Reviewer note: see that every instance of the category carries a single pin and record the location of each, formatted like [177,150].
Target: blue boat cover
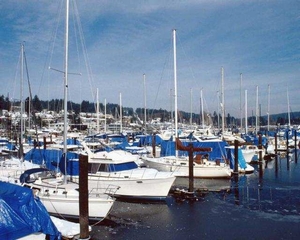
[11,146]
[72,167]
[22,214]
[241,159]
[49,158]
[218,149]
[54,160]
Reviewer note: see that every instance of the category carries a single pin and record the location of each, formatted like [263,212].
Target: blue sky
[122,40]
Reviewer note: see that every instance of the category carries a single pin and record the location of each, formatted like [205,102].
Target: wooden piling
[191,167]
[45,142]
[153,145]
[83,197]
[296,151]
[190,149]
[260,163]
[276,143]
[236,157]
[236,189]
[287,142]
[276,165]
[21,150]
[260,148]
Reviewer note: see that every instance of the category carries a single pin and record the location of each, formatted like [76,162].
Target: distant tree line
[56,105]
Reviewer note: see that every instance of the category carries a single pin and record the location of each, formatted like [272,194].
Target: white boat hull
[248,155]
[134,184]
[206,170]
[98,209]
[63,200]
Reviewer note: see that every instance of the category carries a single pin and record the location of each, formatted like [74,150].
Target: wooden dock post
[190,149]
[287,142]
[236,173]
[296,151]
[276,143]
[260,157]
[191,167]
[276,165]
[45,142]
[260,148]
[236,157]
[83,197]
[153,145]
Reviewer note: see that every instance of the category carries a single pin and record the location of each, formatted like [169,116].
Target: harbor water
[261,205]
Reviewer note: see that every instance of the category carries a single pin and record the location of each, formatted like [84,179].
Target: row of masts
[222,100]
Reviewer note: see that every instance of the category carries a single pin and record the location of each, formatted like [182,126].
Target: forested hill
[56,105]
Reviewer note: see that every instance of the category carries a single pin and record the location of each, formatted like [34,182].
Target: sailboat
[180,165]
[60,196]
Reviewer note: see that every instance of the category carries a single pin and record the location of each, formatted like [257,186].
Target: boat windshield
[101,167]
[122,166]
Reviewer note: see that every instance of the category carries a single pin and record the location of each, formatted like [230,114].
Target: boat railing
[110,190]
[143,174]
[176,169]
[130,174]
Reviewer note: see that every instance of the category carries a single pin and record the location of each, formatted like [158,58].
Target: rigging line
[58,213]
[31,103]
[54,34]
[13,86]
[167,60]
[69,101]
[205,104]
[184,52]
[16,74]
[223,152]
[76,39]
[74,17]
[84,49]
[95,102]
[50,51]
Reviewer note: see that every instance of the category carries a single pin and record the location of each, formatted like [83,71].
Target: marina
[164,165]
[257,206]
[252,201]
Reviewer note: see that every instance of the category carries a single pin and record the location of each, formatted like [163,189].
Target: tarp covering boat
[54,160]
[45,157]
[218,149]
[21,214]
[72,167]
[241,159]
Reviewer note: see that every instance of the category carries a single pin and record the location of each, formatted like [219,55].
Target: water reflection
[128,215]
[261,191]
[211,185]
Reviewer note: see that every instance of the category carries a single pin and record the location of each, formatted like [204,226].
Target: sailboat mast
[223,101]
[105,115]
[256,112]
[191,112]
[246,112]
[175,83]
[241,114]
[269,108]
[202,111]
[21,102]
[121,117]
[97,110]
[29,112]
[145,108]
[171,105]
[288,102]
[218,101]
[66,82]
